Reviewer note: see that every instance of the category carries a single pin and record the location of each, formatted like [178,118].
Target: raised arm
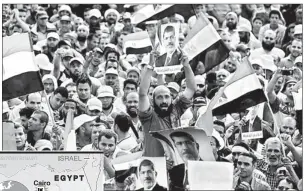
[22,24]
[56,62]
[190,82]
[144,102]
[271,85]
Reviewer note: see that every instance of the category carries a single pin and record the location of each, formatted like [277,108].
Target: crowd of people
[98,98]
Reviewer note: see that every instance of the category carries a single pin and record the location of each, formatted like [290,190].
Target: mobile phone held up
[287,72]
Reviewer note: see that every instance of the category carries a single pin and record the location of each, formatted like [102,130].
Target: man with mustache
[112,17]
[165,113]
[188,149]
[171,57]
[231,26]
[147,175]
[268,47]
[129,86]
[244,179]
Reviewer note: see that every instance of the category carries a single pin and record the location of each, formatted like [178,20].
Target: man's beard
[108,107]
[231,26]
[266,46]
[81,38]
[245,39]
[111,21]
[52,49]
[133,114]
[162,113]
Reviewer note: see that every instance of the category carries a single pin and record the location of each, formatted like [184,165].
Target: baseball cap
[199,101]
[43,62]
[108,11]
[153,22]
[298,29]
[43,144]
[68,53]
[242,48]
[80,120]
[64,42]
[174,86]
[95,13]
[258,62]
[65,18]
[78,59]
[65,8]
[112,71]
[97,49]
[53,35]
[131,58]
[106,91]
[133,69]
[126,15]
[94,104]
[41,14]
[244,28]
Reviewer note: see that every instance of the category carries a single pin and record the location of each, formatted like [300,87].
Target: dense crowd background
[98,98]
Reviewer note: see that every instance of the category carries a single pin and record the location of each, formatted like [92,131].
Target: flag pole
[49,107]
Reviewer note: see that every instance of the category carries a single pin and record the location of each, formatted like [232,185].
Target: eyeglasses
[201,85]
[267,38]
[283,188]
[236,153]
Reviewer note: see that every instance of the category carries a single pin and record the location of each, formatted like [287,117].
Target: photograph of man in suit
[170,44]
[147,175]
[188,149]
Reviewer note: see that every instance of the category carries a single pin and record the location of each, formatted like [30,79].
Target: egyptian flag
[137,43]
[203,43]
[20,73]
[242,91]
[160,11]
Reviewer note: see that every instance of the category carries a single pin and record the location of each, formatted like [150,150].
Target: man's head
[84,87]
[132,101]
[219,126]
[96,131]
[20,136]
[231,20]
[65,24]
[147,174]
[199,8]
[94,107]
[76,67]
[268,42]
[111,77]
[162,100]
[111,64]
[112,54]
[82,32]
[169,39]
[237,149]
[38,121]
[129,86]
[122,124]
[33,100]
[58,98]
[273,147]
[69,104]
[236,8]
[106,96]
[286,184]
[111,16]
[41,18]
[72,90]
[200,82]
[257,66]
[133,74]
[104,41]
[257,23]
[230,65]
[222,74]
[174,89]
[288,126]
[288,87]
[186,145]
[107,142]
[151,28]
[25,115]
[49,83]
[296,48]
[92,41]
[22,14]
[52,39]
[246,164]
[274,17]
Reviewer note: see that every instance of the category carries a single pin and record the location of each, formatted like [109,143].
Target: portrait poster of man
[169,61]
[185,144]
[145,173]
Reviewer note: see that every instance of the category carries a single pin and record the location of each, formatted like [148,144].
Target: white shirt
[89,147]
[127,144]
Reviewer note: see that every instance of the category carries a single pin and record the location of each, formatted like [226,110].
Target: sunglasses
[201,85]
[267,38]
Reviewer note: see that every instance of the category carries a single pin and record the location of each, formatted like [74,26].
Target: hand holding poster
[210,175]
[169,62]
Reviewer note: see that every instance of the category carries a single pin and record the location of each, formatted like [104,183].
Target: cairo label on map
[52,171]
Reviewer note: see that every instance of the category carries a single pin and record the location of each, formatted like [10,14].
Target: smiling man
[147,176]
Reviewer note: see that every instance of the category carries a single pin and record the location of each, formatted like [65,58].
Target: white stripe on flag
[138,43]
[18,63]
[239,88]
[201,41]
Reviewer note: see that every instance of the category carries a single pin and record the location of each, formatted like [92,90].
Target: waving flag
[203,43]
[20,73]
[137,43]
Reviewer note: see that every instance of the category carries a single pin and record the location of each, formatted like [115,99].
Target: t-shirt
[151,121]
[127,144]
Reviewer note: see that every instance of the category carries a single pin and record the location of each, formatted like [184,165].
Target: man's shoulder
[158,187]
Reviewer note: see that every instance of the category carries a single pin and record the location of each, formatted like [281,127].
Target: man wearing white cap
[44,64]
[64,26]
[134,74]
[174,89]
[246,37]
[106,96]
[299,63]
[112,17]
[112,79]
[63,10]
[94,107]
[298,31]
[94,18]
[52,41]
[231,26]
[258,66]
[295,51]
